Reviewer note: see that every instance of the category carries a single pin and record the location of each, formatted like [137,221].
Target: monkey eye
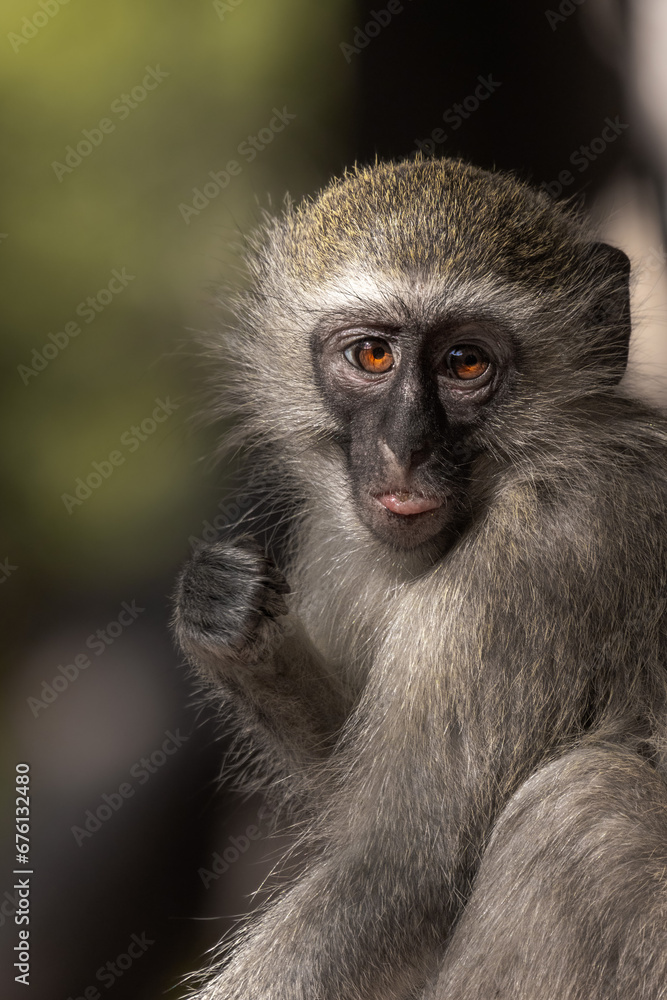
[373,356]
[467,362]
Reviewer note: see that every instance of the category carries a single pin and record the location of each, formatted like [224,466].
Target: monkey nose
[400,461]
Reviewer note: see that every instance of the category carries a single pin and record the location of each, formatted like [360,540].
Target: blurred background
[138,141]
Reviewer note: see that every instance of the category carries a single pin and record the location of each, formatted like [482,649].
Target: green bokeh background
[228,67]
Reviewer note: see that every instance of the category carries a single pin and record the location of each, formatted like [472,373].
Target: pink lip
[408,503]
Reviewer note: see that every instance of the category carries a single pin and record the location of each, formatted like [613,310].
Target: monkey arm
[570,897]
[285,701]
[232,623]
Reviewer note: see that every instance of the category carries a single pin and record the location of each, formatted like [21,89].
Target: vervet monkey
[456,669]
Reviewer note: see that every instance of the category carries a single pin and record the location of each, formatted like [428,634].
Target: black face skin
[409,401]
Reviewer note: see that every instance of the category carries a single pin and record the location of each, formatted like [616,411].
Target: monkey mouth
[408,504]
[405,517]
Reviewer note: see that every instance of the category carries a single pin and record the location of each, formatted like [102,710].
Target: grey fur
[472,721]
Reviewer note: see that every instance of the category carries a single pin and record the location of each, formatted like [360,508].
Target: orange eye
[467,362]
[371,356]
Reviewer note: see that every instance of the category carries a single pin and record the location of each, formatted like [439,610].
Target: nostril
[421,454]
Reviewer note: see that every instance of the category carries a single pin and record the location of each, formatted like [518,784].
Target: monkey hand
[228,598]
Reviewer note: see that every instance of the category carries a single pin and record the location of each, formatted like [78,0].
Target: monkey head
[413,321]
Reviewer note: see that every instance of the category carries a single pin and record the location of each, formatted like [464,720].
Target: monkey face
[410,404]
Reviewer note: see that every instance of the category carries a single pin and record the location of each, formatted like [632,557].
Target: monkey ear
[611,309]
